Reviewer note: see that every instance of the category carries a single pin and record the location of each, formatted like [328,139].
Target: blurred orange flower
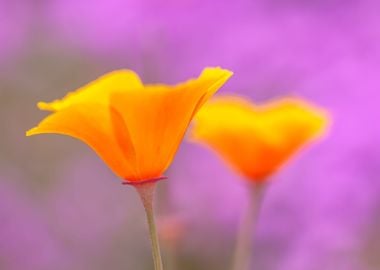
[135,128]
[171,230]
[257,139]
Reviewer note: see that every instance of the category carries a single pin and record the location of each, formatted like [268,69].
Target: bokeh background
[61,207]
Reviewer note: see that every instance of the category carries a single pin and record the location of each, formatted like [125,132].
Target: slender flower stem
[244,244]
[146,191]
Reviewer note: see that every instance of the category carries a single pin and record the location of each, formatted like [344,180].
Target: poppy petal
[99,126]
[97,91]
[159,117]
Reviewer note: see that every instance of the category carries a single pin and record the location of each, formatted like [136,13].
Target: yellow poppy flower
[135,128]
[257,139]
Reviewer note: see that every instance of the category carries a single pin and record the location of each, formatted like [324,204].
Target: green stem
[244,244]
[146,192]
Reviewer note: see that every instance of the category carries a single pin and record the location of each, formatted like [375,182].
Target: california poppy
[135,128]
[256,140]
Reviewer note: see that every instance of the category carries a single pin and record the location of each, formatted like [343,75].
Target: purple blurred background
[61,207]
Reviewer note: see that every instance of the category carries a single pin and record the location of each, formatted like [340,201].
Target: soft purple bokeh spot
[89,211]
[15,22]
[26,239]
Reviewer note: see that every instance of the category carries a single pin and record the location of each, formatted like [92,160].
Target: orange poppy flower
[135,128]
[257,139]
